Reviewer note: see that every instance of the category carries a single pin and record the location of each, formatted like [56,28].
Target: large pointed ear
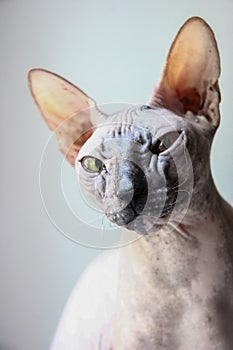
[190,77]
[65,108]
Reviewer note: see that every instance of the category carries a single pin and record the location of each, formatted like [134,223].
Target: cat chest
[196,313]
[174,323]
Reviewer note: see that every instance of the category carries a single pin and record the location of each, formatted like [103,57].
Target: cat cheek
[100,186]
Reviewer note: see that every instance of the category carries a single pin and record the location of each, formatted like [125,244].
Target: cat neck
[173,251]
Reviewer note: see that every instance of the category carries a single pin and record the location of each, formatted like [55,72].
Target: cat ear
[190,77]
[66,109]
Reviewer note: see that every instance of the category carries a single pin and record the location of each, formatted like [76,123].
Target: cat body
[164,293]
[171,289]
[148,169]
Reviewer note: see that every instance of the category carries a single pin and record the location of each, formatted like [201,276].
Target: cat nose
[126,196]
[125,189]
[115,204]
[127,200]
[121,188]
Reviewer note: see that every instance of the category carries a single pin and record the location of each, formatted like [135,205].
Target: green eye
[167,141]
[92,164]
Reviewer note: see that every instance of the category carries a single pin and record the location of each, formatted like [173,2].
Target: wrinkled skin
[172,289]
[135,174]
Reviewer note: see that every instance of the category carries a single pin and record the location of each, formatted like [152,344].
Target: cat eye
[92,164]
[145,107]
[165,142]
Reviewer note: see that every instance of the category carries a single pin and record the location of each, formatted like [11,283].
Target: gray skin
[171,289]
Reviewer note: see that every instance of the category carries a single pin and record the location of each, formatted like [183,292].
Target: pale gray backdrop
[114,50]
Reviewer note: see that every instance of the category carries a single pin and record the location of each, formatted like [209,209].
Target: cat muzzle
[132,198]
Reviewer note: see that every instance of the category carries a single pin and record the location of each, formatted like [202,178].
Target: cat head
[146,164]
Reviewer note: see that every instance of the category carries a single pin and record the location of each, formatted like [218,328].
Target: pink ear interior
[190,99]
[65,109]
[73,151]
[192,67]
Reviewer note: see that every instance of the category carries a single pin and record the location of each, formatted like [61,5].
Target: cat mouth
[135,217]
[126,215]
[131,209]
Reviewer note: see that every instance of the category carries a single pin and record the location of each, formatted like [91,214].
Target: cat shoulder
[86,319]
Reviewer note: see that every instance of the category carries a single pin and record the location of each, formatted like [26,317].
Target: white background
[114,51]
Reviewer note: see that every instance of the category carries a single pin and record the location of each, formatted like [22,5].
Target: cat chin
[141,223]
[145,224]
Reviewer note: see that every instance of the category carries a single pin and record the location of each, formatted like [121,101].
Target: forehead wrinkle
[130,132]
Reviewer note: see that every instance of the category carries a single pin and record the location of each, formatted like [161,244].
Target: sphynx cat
[148,169]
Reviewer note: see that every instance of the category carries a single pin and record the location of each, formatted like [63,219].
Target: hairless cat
[147,167]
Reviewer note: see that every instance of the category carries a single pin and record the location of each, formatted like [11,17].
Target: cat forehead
[135,124]
[131,125]
[137,120]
